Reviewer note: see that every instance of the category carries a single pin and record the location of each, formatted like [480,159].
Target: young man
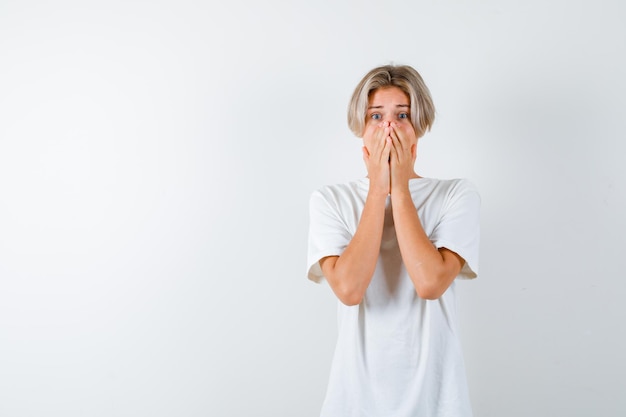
[391,246]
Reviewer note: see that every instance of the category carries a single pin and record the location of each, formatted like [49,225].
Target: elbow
[349,296]
[351,301]
[429,292]
[431,289]
[431,285]
[349,288]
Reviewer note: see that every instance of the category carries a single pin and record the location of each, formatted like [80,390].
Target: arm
[431,270]
[350,274]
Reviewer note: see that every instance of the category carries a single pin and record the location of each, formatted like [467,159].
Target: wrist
[401,192]
[377,192]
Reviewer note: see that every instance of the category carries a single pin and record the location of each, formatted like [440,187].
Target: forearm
[349,275]
[427,267]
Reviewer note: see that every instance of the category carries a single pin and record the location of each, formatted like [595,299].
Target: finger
[387,146]
[387,150]
[406,138]
[399,152]
[377,143]
[394,149]
[373,141]
[400,136]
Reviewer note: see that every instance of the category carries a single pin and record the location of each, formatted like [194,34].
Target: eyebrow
[380,107]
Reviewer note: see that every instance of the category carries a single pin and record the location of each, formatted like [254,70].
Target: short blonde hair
[408,80]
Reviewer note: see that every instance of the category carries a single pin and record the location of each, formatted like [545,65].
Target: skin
[389,153]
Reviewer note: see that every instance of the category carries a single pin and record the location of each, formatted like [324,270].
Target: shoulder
[446,196]
[462,187]
[456,184]
[444,189]
[461,196]
[339,193]
[458,188]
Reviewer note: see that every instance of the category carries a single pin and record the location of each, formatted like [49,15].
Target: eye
[403,116]
[375,116]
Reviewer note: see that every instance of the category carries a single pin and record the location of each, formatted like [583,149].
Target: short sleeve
[328,233]
[459,226]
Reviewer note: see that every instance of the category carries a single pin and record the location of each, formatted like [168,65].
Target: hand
[402,155]
[376,153]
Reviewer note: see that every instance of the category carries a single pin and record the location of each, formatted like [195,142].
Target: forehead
[388,95]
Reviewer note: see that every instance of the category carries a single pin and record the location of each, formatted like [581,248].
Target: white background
[156,160]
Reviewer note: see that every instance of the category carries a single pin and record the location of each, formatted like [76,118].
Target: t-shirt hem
[469,270]
[314,272]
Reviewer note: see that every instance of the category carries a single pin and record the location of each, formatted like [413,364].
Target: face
[390,105]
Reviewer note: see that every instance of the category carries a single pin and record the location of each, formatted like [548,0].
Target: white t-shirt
[397,354]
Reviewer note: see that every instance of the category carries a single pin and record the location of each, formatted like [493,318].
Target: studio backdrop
[156,163]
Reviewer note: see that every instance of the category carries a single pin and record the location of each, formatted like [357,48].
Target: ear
[414,151]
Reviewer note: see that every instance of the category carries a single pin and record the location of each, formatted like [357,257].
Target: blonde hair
[408,80]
